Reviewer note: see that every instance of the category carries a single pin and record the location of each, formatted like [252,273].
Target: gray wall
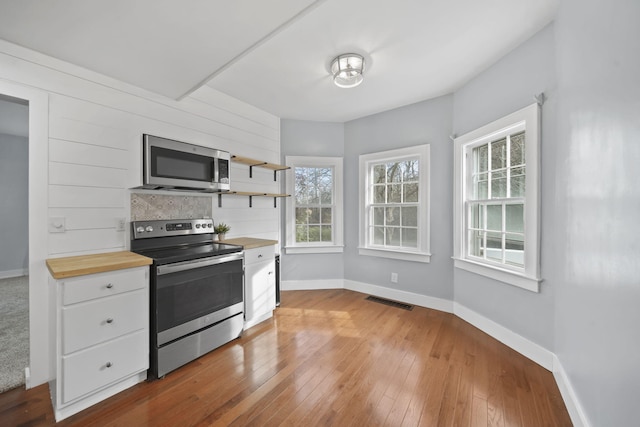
[14,202]
[598,206]
[306,138]
[505,87]
[427,122]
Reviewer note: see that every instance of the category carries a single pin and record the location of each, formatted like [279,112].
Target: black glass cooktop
[187,253]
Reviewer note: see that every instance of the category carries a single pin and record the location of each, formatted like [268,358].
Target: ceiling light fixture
[347,70]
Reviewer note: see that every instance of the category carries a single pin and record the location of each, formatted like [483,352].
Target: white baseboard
[309,285]
[400,296]
[8,274]
[571,401]
[522,345]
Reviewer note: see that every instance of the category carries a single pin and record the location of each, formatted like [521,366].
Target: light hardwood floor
[332,358]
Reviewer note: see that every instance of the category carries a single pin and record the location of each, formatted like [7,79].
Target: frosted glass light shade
[347,70]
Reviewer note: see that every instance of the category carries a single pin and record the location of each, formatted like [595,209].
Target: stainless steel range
[197,290]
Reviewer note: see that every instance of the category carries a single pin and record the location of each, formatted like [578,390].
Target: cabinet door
[260,290]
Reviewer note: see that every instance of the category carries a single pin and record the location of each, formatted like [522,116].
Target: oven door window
[190,294]
[167,163]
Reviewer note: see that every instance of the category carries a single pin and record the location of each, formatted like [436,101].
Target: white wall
[93,141]
[14,205]
[597,205]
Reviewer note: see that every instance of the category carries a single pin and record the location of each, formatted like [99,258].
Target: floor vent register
[384,301]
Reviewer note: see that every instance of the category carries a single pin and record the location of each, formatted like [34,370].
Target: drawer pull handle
[109,364]
[260,256]
[109,286]
[110,320]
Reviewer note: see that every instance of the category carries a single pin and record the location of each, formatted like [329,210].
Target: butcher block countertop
[250,242]
[62,268]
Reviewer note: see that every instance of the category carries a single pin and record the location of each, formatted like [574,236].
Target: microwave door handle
[216,172]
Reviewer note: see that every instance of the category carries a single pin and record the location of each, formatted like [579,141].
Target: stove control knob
[140,229]
[197,225]
[209,225]
[149,229]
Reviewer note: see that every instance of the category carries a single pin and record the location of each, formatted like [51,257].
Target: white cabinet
[102,337]
[260,284]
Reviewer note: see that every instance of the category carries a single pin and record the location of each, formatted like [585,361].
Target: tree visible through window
[314,212]
[395,203]
[314,204]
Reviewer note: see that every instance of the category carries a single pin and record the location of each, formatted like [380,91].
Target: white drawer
[99,366]
[265,253]
[93,322]
[99,285]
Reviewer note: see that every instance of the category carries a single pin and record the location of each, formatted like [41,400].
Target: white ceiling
[275,54]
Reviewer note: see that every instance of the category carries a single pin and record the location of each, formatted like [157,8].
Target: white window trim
[529,277]
[293,247]
[422,253]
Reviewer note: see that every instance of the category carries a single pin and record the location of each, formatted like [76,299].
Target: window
[394,204]
[314,213]
[496,208]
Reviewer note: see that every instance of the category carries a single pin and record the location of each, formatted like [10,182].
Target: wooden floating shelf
[259,163]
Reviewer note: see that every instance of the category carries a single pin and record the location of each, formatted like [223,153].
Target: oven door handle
[190,265]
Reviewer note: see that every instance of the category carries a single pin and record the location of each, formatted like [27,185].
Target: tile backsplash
[145,206]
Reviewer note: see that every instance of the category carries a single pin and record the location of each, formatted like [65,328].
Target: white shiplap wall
[94,134]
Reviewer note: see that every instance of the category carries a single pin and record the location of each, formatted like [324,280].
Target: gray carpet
[14,331]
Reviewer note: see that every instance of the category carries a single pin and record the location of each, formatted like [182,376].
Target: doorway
[14,241]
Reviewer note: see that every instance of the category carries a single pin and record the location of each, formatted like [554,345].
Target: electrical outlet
[120,224]
[394,277]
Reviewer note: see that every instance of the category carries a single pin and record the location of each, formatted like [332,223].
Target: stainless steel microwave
[175,165]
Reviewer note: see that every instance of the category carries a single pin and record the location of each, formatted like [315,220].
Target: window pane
[517,149]
[378,194]
[394,193]
[326,233]
[394,172]
[481,156]
[411,170]
[494,246]
[314,233]
[477,220]
[410,216]
[378,216]
[514,253]
[514,218]
[410,193]
[494,217]
[517,186]
[325,185]
[393,216]
[409,237]
[378,235]
[314,215]
[498,188]
[302,215]
[499,154]
[482,187]
[476,244]
[393,236]
[326,215]
[301,233]
[379,173]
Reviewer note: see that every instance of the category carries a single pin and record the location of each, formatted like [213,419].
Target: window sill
[292,250]
[401,255]
[510,277]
